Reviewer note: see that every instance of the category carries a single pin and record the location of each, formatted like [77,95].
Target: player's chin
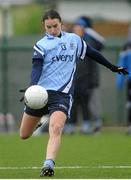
[55,34]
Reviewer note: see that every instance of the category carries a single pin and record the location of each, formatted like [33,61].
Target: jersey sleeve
[81,48]
[38,52]
[37,64]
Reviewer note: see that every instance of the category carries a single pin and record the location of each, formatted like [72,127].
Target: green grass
[100,156]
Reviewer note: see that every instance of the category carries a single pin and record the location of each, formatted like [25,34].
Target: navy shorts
[57,101]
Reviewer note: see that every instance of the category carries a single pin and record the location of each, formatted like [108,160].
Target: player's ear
[43,25]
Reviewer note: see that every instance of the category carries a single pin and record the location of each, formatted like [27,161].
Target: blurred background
[20,28]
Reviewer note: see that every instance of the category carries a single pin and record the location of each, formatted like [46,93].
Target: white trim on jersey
[67,88]
[84,50]
[41,52]
[70,105]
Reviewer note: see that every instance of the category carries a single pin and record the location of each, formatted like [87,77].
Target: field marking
[69,167]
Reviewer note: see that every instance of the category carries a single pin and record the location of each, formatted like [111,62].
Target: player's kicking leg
[28,125]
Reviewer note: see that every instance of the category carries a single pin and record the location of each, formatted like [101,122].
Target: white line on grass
[70,167]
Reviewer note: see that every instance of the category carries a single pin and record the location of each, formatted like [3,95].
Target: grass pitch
[106,155]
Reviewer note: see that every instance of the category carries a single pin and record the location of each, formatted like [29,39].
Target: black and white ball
[36,97]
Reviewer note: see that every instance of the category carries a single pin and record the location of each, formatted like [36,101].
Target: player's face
[53,27]
[79,30]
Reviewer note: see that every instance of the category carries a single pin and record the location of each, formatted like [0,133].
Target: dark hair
[51,14]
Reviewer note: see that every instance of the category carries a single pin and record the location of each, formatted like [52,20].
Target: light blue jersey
[59,55]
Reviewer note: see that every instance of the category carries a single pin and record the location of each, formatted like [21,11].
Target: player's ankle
[49,163]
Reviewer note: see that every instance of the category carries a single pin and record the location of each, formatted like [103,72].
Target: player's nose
[53,31]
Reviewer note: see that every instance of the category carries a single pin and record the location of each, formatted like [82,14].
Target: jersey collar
[52,37]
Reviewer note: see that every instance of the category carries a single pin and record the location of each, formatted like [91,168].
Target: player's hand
[22,91]
[120,70]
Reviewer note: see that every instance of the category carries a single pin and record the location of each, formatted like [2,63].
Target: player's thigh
[28,124]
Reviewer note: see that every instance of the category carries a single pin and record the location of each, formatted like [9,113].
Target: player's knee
[24,135]
[57,130]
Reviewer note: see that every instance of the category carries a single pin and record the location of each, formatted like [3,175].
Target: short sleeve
[81,48]
[38,52]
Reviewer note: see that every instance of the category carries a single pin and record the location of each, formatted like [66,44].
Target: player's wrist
[113,68]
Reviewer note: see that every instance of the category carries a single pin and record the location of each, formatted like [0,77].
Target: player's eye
[55,26]
[49,27]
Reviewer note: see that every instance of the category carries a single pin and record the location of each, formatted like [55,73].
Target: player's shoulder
[71,34]
[42,40]
[129,52]
[125,53]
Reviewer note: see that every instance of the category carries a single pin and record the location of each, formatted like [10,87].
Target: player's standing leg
[56,125]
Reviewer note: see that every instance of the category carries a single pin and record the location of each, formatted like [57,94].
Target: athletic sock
[49,163]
